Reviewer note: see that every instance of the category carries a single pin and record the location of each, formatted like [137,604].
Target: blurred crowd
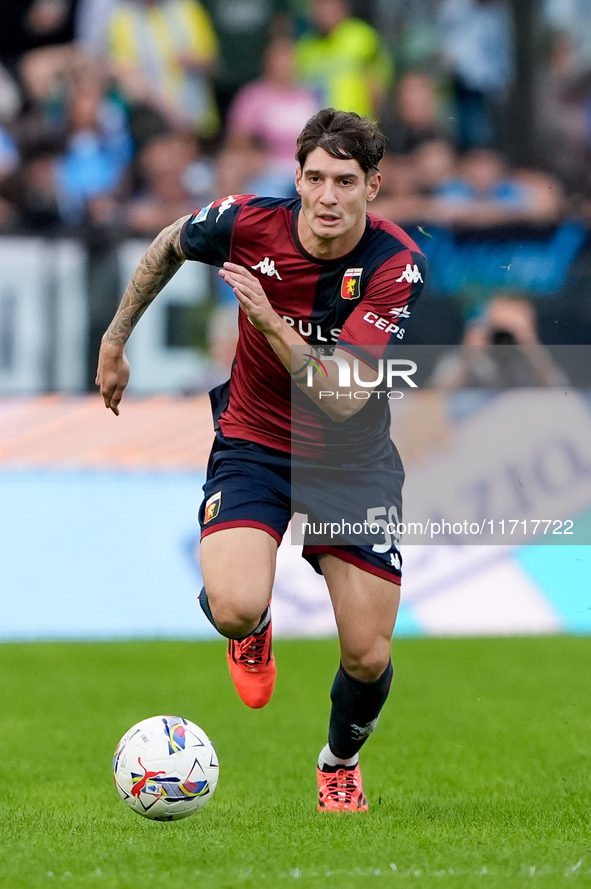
[119,116]
[122,115]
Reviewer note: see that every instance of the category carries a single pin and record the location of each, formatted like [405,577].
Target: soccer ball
[165,768]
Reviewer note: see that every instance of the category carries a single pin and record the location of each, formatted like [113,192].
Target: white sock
[263,623]
[327,758]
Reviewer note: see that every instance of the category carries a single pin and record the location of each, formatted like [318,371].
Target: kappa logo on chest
[267,267]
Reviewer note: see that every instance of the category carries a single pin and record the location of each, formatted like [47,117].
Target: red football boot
[252,667]
[341,790]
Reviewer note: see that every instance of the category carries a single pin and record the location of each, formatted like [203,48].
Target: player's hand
[112,375]
[251,296]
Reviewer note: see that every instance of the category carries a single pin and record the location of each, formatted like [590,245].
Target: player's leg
[243,516]
[365,607]
[238,567]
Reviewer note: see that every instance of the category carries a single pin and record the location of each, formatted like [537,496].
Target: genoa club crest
[350,287]
[212,507]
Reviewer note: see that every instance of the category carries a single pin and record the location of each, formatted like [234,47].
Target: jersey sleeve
[379,321]
[207,235]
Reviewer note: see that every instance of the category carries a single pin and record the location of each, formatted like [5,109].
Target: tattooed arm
[162,259]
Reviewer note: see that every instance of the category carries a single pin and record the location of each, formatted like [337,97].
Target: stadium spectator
[98,146]
[343,59]
[170,173]
[410,181]
[75,144]
[29,25]
[477,190]
[484,192]
[411,29]
[10,96]
[9,161]
[477,50]
[36,48]
[244,29]
[500,349]
[400,197]
[163,53]
[435,163]
[8,153]
[563,114]
[415,114]
[91,26]
[33,189]
[571,18]
[263,124]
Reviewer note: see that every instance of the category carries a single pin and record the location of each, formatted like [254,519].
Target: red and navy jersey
[359,302]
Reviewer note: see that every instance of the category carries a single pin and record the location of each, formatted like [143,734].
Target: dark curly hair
[342,134]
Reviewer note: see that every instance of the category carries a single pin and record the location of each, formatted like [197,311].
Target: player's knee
[366,665]
[235,620]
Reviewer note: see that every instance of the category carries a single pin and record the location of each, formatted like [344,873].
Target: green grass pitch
[479,774]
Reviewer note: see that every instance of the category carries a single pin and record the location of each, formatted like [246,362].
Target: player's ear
[373,185]
[298,179]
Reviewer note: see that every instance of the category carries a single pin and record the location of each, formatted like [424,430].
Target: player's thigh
[365,608]
[238,568]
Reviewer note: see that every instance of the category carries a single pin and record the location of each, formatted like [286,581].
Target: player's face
[334,202]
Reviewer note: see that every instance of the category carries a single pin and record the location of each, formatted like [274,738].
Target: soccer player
[323,286]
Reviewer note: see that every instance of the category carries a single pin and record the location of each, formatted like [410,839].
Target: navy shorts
[250,485]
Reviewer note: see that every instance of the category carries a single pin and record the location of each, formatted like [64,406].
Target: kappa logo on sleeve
[351,284]
[225,205]
[410,275]
[212,507]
